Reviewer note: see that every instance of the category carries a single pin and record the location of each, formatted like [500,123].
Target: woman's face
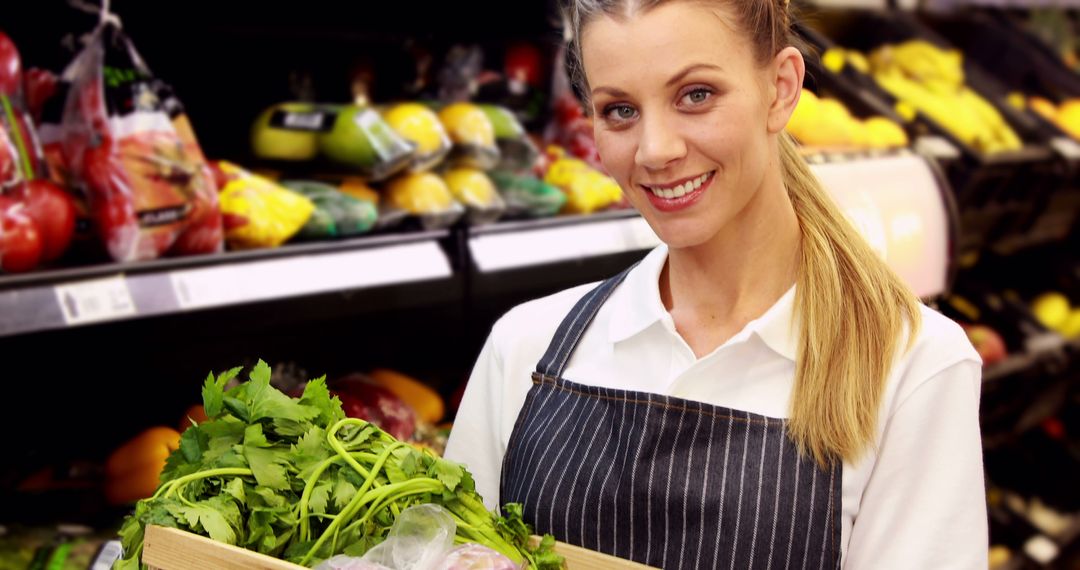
[680,113]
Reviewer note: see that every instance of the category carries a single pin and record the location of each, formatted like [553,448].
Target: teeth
[680,190]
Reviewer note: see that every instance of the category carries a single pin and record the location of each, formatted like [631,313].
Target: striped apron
[664,481]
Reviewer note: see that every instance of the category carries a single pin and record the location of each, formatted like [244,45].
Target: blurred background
[360,189]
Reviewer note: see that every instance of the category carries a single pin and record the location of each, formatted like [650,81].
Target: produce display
[827,123]
[296,479]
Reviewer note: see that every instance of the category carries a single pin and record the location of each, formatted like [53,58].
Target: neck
[738,274]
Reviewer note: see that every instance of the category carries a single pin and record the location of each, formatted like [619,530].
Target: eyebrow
[674,79]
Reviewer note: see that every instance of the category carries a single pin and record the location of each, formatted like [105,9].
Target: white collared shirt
[914,501]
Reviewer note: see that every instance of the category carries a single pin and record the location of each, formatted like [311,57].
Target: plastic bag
[426,196]
[125,136]
[360,139]
[336,214]
[474,189]
[516,149]
[473,136]
[420,538]
[587,190]
[473,556]
[420,126]
[528,196]
[259,213]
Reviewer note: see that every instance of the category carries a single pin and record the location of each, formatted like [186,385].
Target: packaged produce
[360,140]
[475,190]
[420,126]
[125,136]
[827,123]
[259,213]
[528,196]
[336,214]
[587,190]
[426,196]
[516,150]
[473,136]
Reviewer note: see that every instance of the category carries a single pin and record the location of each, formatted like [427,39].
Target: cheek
[616,151]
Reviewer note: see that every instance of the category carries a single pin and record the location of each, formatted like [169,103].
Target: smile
[681,189]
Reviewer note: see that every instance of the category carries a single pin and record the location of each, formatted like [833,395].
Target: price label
[108,555]
[1066,147]
[936,147]
[496,252]
[94,301]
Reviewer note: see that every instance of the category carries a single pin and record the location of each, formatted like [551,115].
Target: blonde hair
[852,307]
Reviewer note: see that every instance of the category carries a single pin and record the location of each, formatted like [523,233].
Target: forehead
[660,41]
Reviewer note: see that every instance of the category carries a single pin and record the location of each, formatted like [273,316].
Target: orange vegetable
[419,396]
[133,470]
[195,414]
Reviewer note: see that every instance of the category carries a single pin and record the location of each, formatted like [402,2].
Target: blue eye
[620,112]
[698,95]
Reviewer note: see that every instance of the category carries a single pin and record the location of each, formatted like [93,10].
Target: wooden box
[172,549]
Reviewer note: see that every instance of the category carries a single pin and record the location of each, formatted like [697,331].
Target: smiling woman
[759,390]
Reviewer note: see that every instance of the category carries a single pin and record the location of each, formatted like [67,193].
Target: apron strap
[574,324]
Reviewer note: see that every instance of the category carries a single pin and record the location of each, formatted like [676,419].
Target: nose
[660,143]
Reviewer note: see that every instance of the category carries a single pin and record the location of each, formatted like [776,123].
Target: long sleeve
[475,439]
[924,505]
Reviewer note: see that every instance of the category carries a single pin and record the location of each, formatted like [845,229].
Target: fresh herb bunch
[296,479]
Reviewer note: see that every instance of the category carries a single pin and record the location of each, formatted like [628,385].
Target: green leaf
[448,473]
[192,444]
[212,396]
[344,490]
[269,497]
[260,374]
[290,428]
[238,408]
[235,488]
[310,450]
[362,545]
[317,395]
[253,436]
[268,466]
[320,495]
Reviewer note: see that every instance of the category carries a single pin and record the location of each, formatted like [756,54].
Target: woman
[761,391]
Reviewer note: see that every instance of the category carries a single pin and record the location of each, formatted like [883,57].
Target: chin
[678,234]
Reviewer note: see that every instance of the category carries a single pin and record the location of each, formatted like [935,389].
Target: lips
[679,194]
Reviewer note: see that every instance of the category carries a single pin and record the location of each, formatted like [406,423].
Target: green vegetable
[296,479]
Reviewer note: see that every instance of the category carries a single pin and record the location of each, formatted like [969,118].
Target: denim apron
[664,481]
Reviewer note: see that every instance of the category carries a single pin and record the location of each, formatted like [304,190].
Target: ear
[787,71]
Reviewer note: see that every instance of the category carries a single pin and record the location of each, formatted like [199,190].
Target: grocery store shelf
[514,245]
[67,298]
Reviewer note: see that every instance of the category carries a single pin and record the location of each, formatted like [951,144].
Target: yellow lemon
[422,193]
[418,124]
[467,124]
[470,186]
[1051,309]
[884,133]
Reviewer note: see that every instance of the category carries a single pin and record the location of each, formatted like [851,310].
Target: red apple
[53,210]
[987,342]
[10,67]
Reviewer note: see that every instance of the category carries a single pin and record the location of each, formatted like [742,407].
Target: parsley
[296,479]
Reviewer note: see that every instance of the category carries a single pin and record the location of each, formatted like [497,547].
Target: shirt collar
[638,306]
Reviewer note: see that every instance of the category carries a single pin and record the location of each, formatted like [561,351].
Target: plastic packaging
[336,214]
[259,213]
[426,196]
[473,136]
[420,126]
[359,139]
[587,190]
[528,196]
[125,136]
[475,190]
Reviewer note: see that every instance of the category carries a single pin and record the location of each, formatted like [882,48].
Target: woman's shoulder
[939,345]
[534,322]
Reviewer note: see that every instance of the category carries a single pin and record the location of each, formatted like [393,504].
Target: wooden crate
[172,549]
